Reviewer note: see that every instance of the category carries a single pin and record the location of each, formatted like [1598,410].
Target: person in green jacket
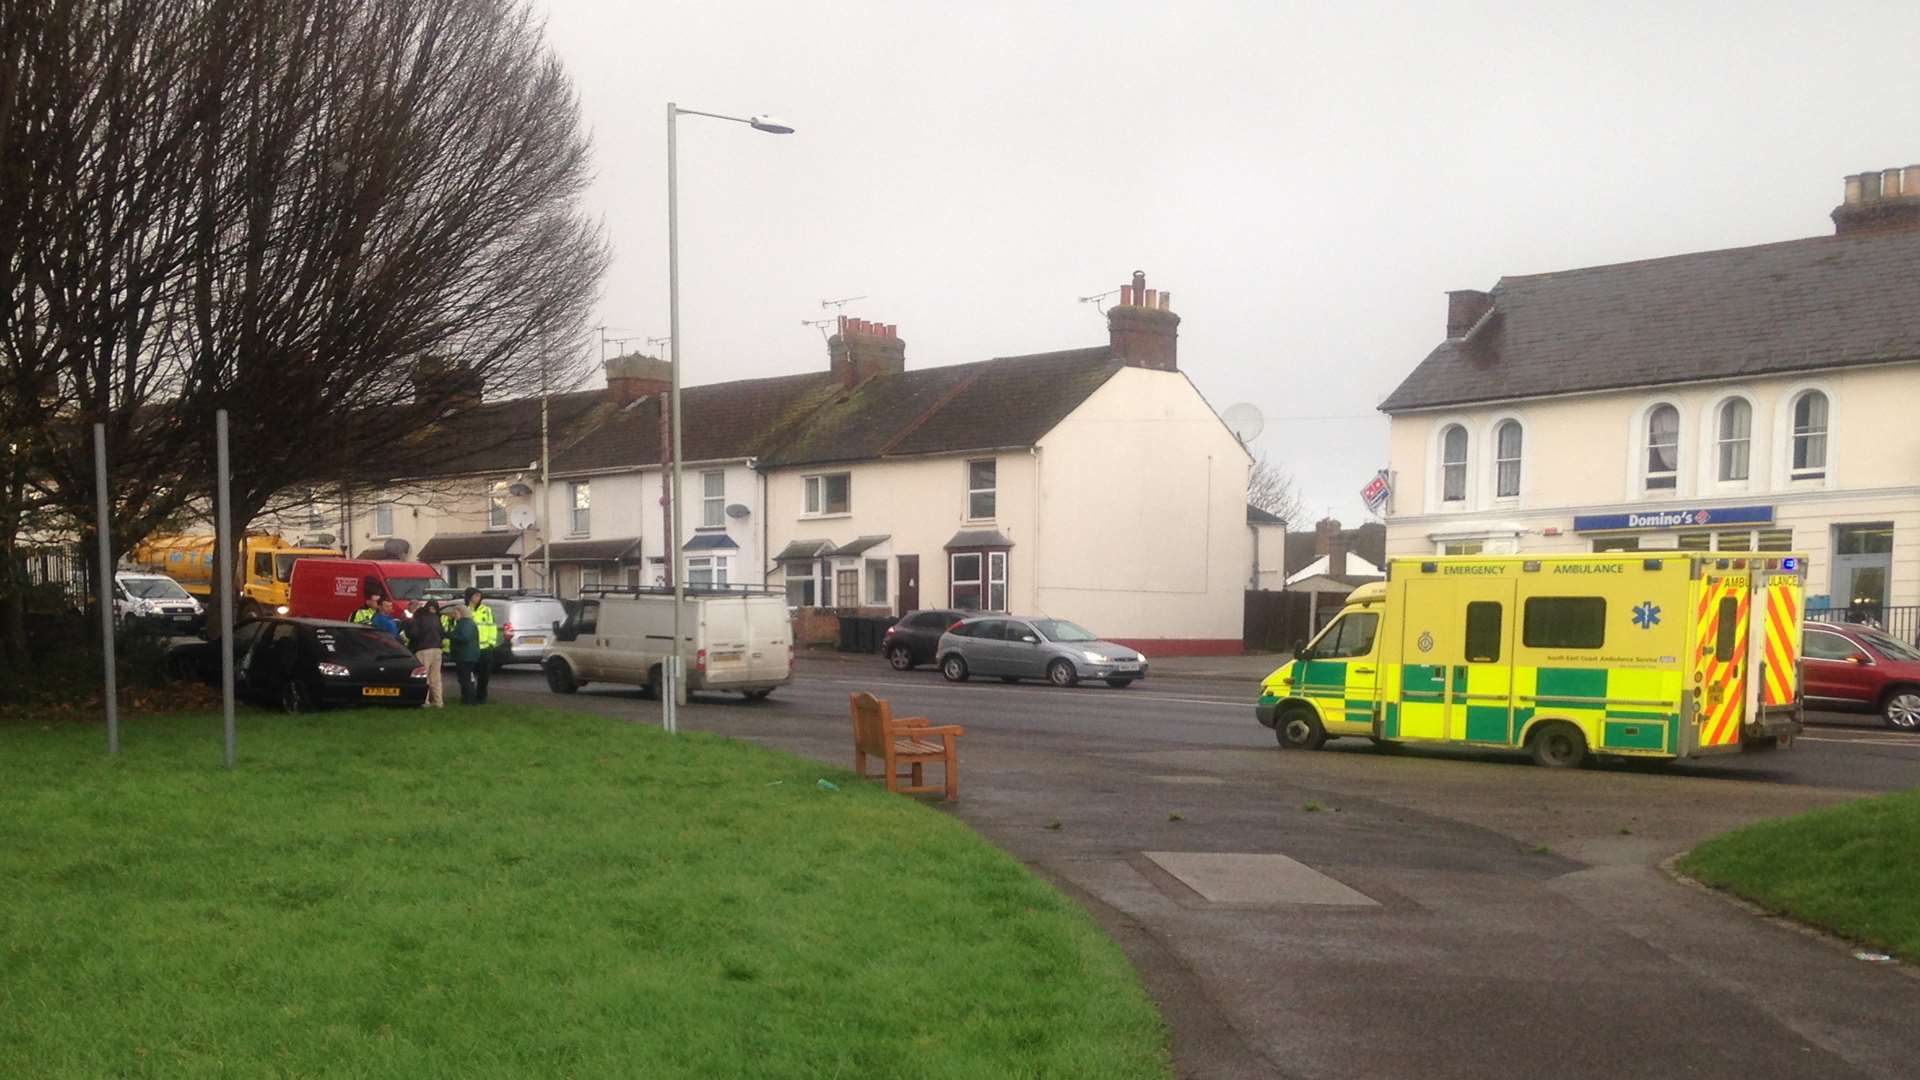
[464,646]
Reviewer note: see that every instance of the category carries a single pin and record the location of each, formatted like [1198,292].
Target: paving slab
[1241,878]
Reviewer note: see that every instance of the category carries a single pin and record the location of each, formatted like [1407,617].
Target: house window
[1616,543]
[630,577]
[1736,438]
[1463,547]
[383,518]
[580,498]
[1453,464]
[996,581]
[829,494]
[1663,448]
[1506,457]
[800,585]
[496,512]
[589,577]
[847,585]
[964,582]
[1810,436]
[709,570]
[500,575]
[981,483]
[877,593]
[713,500]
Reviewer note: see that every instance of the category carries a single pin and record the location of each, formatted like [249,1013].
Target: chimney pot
[1152,300]
[1910,185]
[1126,296]
[1141,331]
[1869,187]
[1139,283]
[1852,191]
[1890,184]
[1166,301]
[1879,201]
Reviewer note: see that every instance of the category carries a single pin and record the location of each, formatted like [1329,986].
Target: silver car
[1014,647]
[528,623]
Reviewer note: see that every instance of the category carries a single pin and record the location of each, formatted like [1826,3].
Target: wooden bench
[911,741]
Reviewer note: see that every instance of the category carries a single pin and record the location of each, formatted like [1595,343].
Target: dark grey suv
[915,639]
[1016,647]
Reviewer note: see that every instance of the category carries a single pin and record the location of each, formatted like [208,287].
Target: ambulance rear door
[1722,615]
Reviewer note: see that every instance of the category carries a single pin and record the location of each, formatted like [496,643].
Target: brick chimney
[1887,200]
[862,349]
[632,377]
[1142,327]
[1330,541]
[454,385]
[1464,308]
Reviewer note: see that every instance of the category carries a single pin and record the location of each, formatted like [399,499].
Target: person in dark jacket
[466,651]
[428,641]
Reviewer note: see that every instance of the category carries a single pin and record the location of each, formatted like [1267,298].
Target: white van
[736,641]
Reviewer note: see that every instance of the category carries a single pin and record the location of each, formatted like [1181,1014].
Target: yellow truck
[1633,654]
[263,569]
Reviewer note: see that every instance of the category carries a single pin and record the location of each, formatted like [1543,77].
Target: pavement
[1350,914]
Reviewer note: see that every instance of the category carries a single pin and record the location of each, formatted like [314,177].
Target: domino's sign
[1679,517]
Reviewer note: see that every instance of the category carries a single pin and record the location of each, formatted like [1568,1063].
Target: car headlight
[199,608]
[1094,657]
[338,671]
[281,610]
[1140,656]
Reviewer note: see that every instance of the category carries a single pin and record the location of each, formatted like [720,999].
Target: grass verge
[521,892]
[1849,869]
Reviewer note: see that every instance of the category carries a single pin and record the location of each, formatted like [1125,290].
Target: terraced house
[1751,399]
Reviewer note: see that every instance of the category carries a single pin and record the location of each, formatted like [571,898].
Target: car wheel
[900,657]
[756,695]
[1299,728]
[1061,673]
[1902,710]
[1558,746]
[294,697]
[1119,684]
[954,668]
[560,677]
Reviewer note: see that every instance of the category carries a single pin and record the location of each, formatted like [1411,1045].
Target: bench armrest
[911,721]
[921,731]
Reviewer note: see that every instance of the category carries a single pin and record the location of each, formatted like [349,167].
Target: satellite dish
[738,510]
[521,517]
[1244,421]
[396,548]
[519,490]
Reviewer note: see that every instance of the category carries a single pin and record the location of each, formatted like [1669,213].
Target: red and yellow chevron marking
[1720,720]
[1782,678]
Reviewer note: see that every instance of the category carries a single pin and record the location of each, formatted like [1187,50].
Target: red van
[335,588]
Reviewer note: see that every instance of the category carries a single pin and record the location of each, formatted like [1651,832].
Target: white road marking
[1912,744]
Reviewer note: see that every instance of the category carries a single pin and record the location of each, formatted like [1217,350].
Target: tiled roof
[614,550]
[859,545]
[799,550]
[723,420]
[504,436]
[716,541]
[979,538]
[484,545]
[1802,305]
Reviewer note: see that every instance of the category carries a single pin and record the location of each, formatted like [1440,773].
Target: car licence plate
[1126,666]
[379,691]
[533,641]
[727,655]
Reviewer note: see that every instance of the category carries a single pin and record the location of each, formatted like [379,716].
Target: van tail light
[507,629]
[891,630]
[955,626]
[700,660]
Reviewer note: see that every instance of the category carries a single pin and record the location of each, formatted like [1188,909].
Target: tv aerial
[1096,300]
[1245,421]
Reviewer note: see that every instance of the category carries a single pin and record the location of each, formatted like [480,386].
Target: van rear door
[724,637]
[1722,612]
[769,639]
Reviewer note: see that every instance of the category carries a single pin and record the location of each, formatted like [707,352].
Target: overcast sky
[1307,179]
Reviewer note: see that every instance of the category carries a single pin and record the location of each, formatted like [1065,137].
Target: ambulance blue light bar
[1789,564]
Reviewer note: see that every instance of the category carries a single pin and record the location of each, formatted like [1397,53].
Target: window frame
[977,581]
[875,573]
[1501,461]
[1797,435]
[1733,452]
[1528,621]
[718,570]
[496,512]
[814,495]
[1667,479]
[990,491]
[580,507]
[503,574]
[1469,631]
[382,517]
[1813,632]
[713,508]
[1450,468]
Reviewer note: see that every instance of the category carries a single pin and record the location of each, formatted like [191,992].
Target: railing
[1900,621]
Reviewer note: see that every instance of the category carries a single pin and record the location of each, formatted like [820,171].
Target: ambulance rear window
[1729,626]
[1564,622]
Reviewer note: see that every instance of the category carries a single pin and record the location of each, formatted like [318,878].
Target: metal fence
[1900,621]
[63,568]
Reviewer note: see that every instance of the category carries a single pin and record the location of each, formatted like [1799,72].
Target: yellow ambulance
[1635,654]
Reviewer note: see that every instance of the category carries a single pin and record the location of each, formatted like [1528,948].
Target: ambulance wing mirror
[1300,649]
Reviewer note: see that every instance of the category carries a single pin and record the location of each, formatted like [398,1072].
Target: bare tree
[340,220]
[1270,488]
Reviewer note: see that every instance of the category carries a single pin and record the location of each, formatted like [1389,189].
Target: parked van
[734,640]
[335,588]
[1665,654]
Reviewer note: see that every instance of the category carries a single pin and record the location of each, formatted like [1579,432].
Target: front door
[1835,669]
[986,648]
[909,583]
[1024,655]
[1862,565]
[1342,672]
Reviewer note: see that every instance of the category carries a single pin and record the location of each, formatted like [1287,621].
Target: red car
[1851,666]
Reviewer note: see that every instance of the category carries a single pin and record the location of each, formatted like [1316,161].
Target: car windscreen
[1888,646]
[1062,630]
[341,644]
[413,588]
[154,588]
[283,567]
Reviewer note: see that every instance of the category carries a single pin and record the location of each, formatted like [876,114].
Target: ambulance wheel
[560,677]
[1299,729]
[1902,710]
[1558,746]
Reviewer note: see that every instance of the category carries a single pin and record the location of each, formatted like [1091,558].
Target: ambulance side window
[1564,622]
[1352,637]
[1483,632]
[1729,626]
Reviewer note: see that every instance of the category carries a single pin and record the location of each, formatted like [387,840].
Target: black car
[304,664]
[916,636]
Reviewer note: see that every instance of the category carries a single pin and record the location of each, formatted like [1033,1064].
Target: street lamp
[676,677]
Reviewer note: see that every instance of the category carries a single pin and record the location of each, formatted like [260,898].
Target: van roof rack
[692,590]
[492,594]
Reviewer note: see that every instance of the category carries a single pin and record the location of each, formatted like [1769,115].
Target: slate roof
[812,419]
[484,545]
[859,545]
[1801,305]
[800,550]
[716,541]
[1257,516]
[590,550]
[979,538]
[503,436]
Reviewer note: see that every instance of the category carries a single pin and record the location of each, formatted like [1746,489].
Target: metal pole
[224,541]
[546,492]
[106,585]
[670,698]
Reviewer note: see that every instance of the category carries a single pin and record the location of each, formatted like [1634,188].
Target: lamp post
[675,677]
